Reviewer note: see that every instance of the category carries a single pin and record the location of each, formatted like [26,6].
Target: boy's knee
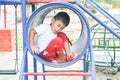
[62,36]
[58,41]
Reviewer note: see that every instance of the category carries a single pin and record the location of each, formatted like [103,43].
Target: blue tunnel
[81,44]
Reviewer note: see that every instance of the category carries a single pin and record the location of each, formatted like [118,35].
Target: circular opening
[79,26]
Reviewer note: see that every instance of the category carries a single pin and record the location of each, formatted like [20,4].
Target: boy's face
[57,25]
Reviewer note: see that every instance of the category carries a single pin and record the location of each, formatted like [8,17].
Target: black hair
[63,16]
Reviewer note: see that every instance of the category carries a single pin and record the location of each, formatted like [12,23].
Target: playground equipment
[85,34]
[31,22]
[15,69]
[107,44]
[84,39]
[100,21]
[105,13]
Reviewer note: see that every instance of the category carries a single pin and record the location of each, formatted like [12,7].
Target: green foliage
[19,41]
[93,10]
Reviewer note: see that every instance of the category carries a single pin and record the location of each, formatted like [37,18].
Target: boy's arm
[31,39]
[67,47]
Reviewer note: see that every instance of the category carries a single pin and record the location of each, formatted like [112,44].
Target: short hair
[63,16]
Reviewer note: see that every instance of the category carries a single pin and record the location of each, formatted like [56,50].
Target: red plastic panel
[7,40]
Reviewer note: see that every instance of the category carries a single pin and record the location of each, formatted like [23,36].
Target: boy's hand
[36,49]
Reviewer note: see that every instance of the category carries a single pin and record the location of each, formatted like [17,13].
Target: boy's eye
[58,25]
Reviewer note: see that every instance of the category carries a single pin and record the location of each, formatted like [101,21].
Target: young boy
[53,45]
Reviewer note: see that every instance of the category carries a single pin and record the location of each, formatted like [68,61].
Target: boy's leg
[64,37]
[69,55]
[55,46]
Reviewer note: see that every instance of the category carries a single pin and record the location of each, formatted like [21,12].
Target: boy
[52,43]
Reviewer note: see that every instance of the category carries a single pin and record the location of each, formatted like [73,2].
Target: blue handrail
[98,20]
[104,12]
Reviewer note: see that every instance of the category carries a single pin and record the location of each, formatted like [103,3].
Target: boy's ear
[52,20]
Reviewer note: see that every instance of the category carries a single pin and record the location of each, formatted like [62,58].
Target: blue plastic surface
[10,2]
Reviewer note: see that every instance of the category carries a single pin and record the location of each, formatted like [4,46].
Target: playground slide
[105,13]
[98,20]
